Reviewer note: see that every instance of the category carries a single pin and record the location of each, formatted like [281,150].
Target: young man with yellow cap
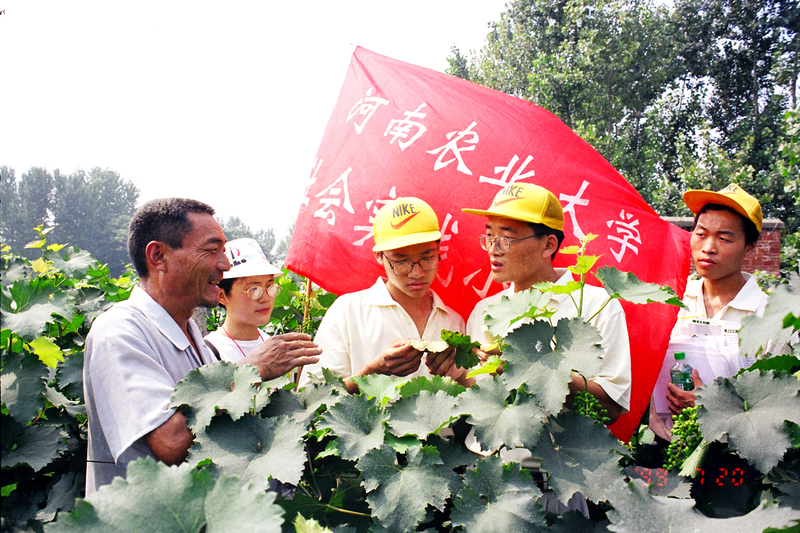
[368,332]
[524,230]
[726,227]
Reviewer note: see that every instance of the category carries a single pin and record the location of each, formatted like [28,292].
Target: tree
[234,228]
[26,204]
[694,96]
[92,211]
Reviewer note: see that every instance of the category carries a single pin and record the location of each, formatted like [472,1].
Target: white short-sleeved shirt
[615,371]
[360,325]
[230,350]
[135,353]
[711,344]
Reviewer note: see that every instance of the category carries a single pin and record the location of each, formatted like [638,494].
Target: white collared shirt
[135,354]
[360,325]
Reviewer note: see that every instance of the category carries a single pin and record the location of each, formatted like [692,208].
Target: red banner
[402,130]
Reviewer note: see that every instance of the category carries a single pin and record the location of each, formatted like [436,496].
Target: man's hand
[278,355]
[680,399]
[398,359]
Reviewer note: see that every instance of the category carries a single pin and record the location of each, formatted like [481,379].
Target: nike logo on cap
[403,222]
[506,200]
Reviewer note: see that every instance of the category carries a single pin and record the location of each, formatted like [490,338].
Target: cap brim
[407,240]
[256,269]
[695,199]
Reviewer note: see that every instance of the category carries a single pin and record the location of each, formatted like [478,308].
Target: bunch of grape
[587,405]
[686,438]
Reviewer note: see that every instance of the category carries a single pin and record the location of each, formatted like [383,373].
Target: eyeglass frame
[412,263]
[261,290]
[495,241]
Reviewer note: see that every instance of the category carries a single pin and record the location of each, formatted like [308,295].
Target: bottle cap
[680,355]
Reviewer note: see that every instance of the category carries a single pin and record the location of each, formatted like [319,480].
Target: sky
[222,102]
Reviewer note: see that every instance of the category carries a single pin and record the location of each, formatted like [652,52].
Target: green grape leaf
[490,366]
[580,456]
[34,445]
[285,402]
[554,288]
[208,388]
[36,301]
[496,423]
[583,264]
[431,384]
[626,286]
[253,448]
[61,495]
[636,510]
[153,497]
[453,454]
[398,495]
[399,444]
[502,314]
[757,332]
[779,363]
[547,372]
[231,507]
[463,344]
[74,263]
[358,423]
[497,497]
[47,351]
[301,525]
[22,386]
[72,407]
[319,395]
[751,411]
[70,375]
[379,386]
[422,414]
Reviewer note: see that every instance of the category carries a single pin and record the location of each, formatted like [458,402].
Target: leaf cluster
[47,304]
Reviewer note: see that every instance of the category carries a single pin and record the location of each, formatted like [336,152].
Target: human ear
[379,257]
[155,254]
[550,246]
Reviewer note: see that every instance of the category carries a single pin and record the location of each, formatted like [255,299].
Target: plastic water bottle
[681,373]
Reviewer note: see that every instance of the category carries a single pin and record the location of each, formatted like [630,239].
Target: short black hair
[751,233]
[542,230]
[164,220]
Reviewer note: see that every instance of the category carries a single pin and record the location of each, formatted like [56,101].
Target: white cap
[247,259]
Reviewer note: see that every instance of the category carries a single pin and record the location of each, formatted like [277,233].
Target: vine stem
[305,318]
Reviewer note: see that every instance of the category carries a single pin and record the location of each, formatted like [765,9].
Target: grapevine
[686,438]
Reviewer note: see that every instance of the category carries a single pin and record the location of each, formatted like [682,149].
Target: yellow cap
[403,222]
[731,196]
[525,202]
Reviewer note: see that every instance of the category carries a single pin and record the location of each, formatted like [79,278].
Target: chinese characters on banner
[402,130]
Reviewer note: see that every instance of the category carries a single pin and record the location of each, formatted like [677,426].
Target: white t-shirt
[230,350]
[360,325]
[615,371]
[711,344]
[135,353]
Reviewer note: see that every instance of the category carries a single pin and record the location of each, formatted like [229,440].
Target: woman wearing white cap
[248,293]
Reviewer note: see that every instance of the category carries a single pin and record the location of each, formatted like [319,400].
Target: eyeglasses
[501,244]
[401,268]
[254,293]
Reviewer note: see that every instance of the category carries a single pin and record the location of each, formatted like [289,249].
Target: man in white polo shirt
[137,350]
[368,332]
[726,228]
[524,230]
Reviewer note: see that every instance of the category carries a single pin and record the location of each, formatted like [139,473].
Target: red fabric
[367,157]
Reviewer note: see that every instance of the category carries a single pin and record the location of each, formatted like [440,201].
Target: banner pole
[306,301]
